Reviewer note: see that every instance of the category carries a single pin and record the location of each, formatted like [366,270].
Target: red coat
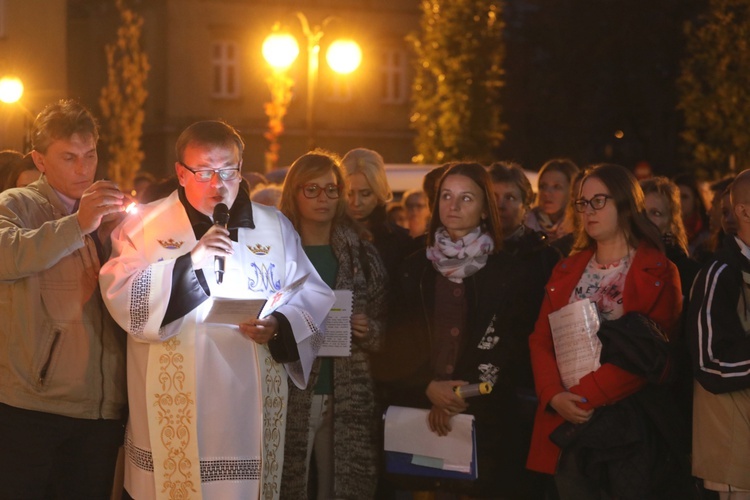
[652,288]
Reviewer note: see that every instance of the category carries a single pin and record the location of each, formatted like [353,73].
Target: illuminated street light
[280,50]
[343,56]
[11,89]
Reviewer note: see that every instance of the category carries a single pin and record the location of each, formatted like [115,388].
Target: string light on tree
[280,50]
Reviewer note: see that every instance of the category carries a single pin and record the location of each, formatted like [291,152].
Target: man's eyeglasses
[597,202]
[332,191]
[225,174]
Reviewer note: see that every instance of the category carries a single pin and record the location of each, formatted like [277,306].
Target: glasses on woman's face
[332,191]
[597,202]
[225,174]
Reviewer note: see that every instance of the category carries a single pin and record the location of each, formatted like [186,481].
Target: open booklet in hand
[338,327]
[577,347]
[235,311]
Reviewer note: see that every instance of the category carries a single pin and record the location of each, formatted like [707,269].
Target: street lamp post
[343,56]
[313,67]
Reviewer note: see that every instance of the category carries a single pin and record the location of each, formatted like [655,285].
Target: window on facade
[225,70]
[393,76]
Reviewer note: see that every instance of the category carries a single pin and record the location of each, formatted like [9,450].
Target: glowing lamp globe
[280,50]
[11,89]
[344,56]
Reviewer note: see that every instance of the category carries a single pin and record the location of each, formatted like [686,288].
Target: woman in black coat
[368,196]
[463,321]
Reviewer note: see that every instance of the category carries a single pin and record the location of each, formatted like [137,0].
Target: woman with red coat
[618,263]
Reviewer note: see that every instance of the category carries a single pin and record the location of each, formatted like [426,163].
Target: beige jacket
[721,434]
[60,351]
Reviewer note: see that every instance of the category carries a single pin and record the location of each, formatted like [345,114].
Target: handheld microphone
[221,218]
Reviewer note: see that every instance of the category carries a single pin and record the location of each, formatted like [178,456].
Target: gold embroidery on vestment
[259,249]
[273,420]
[170,244]
[176,409]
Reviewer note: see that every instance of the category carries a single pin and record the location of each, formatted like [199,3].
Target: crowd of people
[609,317]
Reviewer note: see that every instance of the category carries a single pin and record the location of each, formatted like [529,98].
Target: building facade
[206,63]
[33,49]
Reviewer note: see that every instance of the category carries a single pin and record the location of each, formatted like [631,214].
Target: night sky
[580,71]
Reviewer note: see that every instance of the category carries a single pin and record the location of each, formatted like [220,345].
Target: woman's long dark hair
[631,209]
[479,175]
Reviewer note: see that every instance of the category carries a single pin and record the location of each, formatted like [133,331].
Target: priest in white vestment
[208,401]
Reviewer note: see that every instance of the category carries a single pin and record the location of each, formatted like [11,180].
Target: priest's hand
[260,330]
[214,243]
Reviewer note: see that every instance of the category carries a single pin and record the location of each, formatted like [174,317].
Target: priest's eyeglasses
[225,174]
[597,202]
[332,191]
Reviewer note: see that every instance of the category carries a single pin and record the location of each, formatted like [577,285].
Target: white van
[405,176]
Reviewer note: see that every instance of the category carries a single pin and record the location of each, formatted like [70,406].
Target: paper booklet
[235,311]
[338,327]
[577,347]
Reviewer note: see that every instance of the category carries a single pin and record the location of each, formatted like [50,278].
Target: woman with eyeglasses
[334,421]
[552,214]
[618,264]
[463,323]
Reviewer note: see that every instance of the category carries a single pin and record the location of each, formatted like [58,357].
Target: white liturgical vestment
[207,405]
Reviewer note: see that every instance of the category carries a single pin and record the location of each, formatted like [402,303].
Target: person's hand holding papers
[445,404]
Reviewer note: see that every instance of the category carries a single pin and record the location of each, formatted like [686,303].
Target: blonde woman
[369,195]
[553,215]
[662,199]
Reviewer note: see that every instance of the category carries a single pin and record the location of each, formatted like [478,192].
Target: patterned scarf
[553,230]
[460,259]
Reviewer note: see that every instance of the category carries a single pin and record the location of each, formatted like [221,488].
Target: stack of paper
[408,434]
[577,347]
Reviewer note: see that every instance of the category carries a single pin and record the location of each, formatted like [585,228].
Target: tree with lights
[122,98]
[280,85]
[459,73]
[713,85]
